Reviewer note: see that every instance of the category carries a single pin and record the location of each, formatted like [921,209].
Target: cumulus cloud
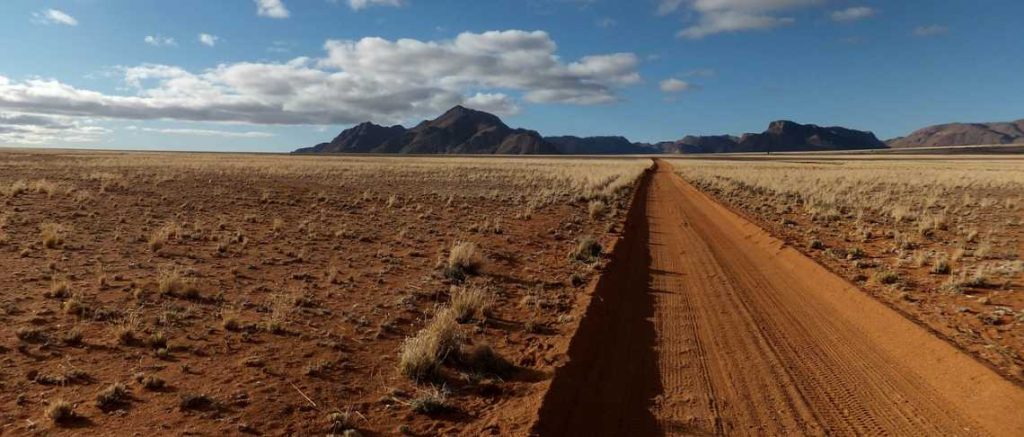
[271,9]
[159,41]
[852,13]
[54,16]
[208,40]
[930,30]
[202,132]
[33,129]
[722,16]
[363,4]
[496,103]
[367,79]
[673,85]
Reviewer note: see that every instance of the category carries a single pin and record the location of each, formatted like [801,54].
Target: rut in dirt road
[705,325]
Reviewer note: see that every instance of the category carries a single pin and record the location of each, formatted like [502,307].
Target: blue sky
[274,75]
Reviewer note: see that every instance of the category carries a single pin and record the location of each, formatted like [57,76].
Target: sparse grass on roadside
[587,250]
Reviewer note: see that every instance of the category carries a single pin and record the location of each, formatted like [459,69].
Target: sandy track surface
[703,324]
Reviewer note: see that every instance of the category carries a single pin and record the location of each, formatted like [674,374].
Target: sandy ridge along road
[703,324]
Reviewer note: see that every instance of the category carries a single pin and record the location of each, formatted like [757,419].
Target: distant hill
[571,145]
[363,138]
[963,134]
[787,136]
[460,130]
[781,136]
[704,144]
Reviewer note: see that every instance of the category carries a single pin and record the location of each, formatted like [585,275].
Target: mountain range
[461,130]
[963,134]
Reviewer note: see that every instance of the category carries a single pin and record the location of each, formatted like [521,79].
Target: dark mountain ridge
[461,130]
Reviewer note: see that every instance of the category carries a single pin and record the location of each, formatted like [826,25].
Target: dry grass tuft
[421,356]
[587,250]
[52,235]
[61,412]
[112,397]
[470,303]
[463,259]
[172,283]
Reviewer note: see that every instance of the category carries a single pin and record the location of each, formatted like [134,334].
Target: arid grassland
[225,294]
[939,239]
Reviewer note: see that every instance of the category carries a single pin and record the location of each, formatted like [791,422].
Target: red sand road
[703,324]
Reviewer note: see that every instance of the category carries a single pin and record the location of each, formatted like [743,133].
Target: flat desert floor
[223,294]
[208,294]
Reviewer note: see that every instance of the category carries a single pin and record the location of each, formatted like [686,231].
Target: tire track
[705,325]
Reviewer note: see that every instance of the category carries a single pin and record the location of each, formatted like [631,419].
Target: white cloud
[853,13]
[160,41]
[368,79]
[931,30]
[496,103]
[271,9]
[208,40]
[666,7]
[673,85]
[606,23]
[202,132]
[363,4]
[54,16]
[34,129]
[722,16]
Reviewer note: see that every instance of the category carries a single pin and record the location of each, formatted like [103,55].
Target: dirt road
[705,325]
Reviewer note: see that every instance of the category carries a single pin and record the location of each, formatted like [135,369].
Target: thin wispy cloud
[202,132]
[673,85]
[271,9]
[702,72]
[930,30]
[160,41]
[854,13]
[208,40]
[728,16]
[606,23]
[54,16]
[357,5]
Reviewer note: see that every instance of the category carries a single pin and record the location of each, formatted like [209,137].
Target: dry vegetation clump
[171,282]
[470,303]
[61,412]
[112,397]
[931,234]
[587,250]
[463,259]
[52,235]
[422,354]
